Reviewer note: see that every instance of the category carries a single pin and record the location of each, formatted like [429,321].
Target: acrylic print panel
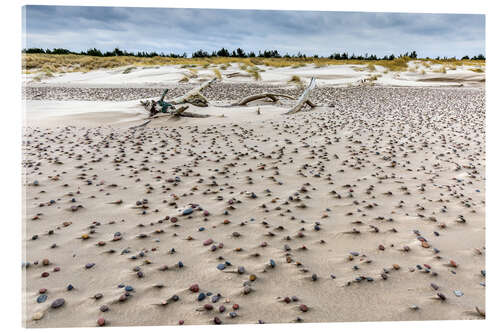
[185,166]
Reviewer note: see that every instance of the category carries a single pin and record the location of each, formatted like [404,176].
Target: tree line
[238,53]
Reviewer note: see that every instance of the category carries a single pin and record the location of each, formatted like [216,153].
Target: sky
[176,30]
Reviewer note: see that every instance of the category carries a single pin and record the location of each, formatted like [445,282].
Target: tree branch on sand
[194,96]
[272,96]
[160,108]
[303,98]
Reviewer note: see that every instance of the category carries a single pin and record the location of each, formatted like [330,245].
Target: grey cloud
[314,32]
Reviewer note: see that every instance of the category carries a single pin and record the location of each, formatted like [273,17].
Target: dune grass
[373,77]
[82,63]
[217,73]
[442,69]
[254,72]
[295,79]
[477,70]
[129,69]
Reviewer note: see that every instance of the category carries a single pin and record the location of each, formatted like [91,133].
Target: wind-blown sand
[364,208]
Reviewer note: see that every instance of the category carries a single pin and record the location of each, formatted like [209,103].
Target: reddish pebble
[42,291]
[181,322]
[45,274]
[236,306]
[208,307]
[303,308]
[57,269]
[101,321]
[217,321]
[194,288]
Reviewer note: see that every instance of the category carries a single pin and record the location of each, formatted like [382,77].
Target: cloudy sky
[187,30]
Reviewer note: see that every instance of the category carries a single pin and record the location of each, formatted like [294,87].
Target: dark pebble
[57,303]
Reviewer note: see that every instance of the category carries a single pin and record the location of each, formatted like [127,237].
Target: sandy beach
[368,207]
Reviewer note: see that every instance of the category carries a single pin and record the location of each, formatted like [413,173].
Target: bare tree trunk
[304,97]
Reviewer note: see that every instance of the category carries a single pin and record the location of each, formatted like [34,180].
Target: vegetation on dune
[254,72]
[217,73]
[371,67]
[295,79]
[442,69]
[129,69]
[62,60]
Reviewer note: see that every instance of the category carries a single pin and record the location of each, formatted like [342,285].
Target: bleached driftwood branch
[194,96]
[235,74]
[304,97]
[272,96]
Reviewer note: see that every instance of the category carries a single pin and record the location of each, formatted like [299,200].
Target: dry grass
[442,69]
[217,73]
[295,79]
[374,77]
[477,70]
[81,63]
[254,72]
[318,64]
[371,67]
[129,69]
[193,73]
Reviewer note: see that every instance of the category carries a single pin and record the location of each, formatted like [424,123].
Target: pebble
[42,298]
[38,315]
[57,303]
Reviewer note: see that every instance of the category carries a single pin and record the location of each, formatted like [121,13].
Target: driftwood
[272,96]
[141,125]
[194,96]
[160,108]
[194,115]
[179,111]
[235,74]
[303,98]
